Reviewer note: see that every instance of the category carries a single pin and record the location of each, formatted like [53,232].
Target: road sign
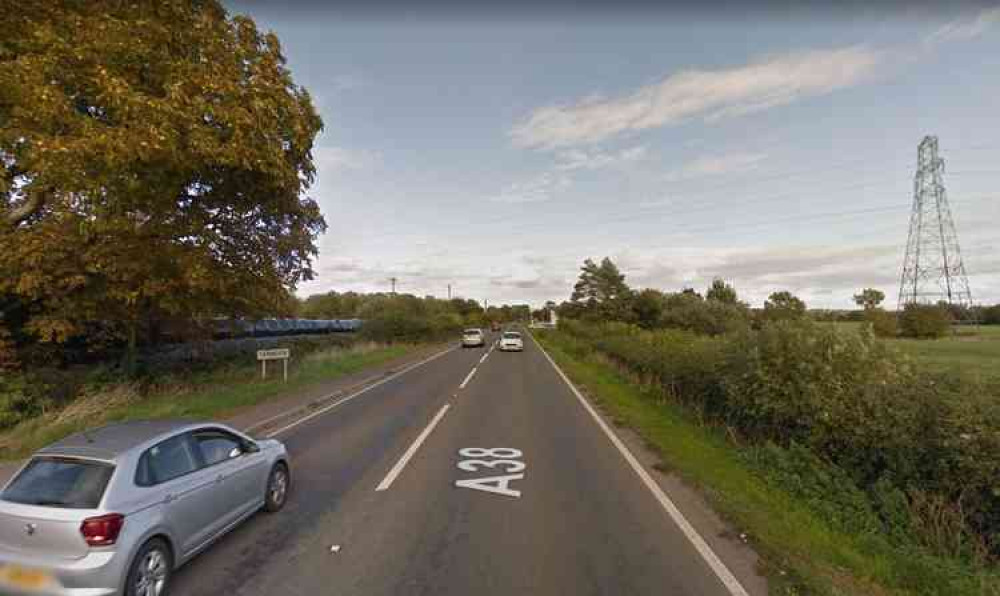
[277,354]
[282,354]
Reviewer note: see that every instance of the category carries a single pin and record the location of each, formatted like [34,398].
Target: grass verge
[215,394]
[802,553]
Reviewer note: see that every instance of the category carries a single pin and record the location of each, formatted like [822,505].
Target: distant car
[511,341]
[118,509]
[473,338]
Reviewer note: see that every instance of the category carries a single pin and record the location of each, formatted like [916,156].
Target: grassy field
[970,350]
[215,394]
[802,553]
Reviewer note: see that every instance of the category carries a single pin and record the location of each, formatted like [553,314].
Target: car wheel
[151,570]
[278,484]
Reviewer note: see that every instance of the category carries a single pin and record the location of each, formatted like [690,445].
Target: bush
[924,321]
[925,447]
[20,399]
[990,315]
[711,317]
[884,324]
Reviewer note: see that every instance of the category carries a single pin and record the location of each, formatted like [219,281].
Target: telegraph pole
[449,291]
[393,281]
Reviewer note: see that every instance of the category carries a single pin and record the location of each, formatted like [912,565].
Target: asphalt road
[570,518]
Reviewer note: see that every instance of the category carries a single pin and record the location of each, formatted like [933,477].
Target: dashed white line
[468,378]
[485,356]
[721,571]
[356,394]
[398,468]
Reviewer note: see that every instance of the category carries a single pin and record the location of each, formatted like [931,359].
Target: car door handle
[169,498]
[220,478]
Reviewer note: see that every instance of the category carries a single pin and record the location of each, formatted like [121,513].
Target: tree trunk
[129,361]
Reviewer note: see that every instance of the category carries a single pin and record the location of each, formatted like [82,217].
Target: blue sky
[497,154]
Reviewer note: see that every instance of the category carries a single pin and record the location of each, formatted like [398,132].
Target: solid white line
[483,359]
[356,394]
[468,378]
[398,468]
[721,571]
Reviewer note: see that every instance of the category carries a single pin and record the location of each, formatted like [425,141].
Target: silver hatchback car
[117,509]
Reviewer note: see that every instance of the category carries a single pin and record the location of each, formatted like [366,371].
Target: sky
[495,151]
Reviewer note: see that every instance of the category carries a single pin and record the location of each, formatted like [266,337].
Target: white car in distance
[511,341]
[473,338]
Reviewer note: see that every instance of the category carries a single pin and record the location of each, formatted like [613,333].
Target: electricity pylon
[932,267]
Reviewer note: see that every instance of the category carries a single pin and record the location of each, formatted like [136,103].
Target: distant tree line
[601,294]
[405,317]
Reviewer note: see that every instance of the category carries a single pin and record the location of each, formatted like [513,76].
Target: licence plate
[24,578]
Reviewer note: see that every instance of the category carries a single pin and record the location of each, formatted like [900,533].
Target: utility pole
[449,291]
[932,266]
[393,281]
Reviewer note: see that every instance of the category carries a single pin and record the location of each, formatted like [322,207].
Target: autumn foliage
[153,162]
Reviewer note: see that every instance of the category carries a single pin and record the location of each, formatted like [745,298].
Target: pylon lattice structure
[932,268]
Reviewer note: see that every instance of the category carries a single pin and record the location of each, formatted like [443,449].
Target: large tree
[720,291]
[783,306]
[869,298]
[153,160]
[601,291]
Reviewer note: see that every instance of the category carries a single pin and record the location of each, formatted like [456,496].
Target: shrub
[690,312]
[783,306]
[20,399]
[883,323]
[925,447]
[924,321]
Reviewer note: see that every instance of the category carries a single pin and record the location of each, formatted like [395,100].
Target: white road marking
[499,485]
[721,571]
[468,378]
[356,394]
[485,356]
[398,468]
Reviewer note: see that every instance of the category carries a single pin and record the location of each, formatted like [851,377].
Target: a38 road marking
[500,457]
[398,468]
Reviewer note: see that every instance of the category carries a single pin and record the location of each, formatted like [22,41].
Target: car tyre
[151,570]
[278,484]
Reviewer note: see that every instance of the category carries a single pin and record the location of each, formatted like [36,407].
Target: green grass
[216,394]
[970,350]
[803,554]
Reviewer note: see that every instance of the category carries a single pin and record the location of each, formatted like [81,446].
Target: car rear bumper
[99,573]
[511,348]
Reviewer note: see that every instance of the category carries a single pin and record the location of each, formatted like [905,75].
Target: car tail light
[103,530]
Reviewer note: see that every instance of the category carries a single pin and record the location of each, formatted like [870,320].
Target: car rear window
[472,332]
[60,482]
[511,335]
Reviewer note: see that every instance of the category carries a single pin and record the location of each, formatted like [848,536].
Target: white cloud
[709,94]
[716,165]
[966,27]
[660,202]
[581,159]
[538,189]
[331,159]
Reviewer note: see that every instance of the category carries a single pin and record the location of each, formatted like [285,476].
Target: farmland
[970,350]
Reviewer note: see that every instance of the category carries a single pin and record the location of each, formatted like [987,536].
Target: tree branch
[26,209]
